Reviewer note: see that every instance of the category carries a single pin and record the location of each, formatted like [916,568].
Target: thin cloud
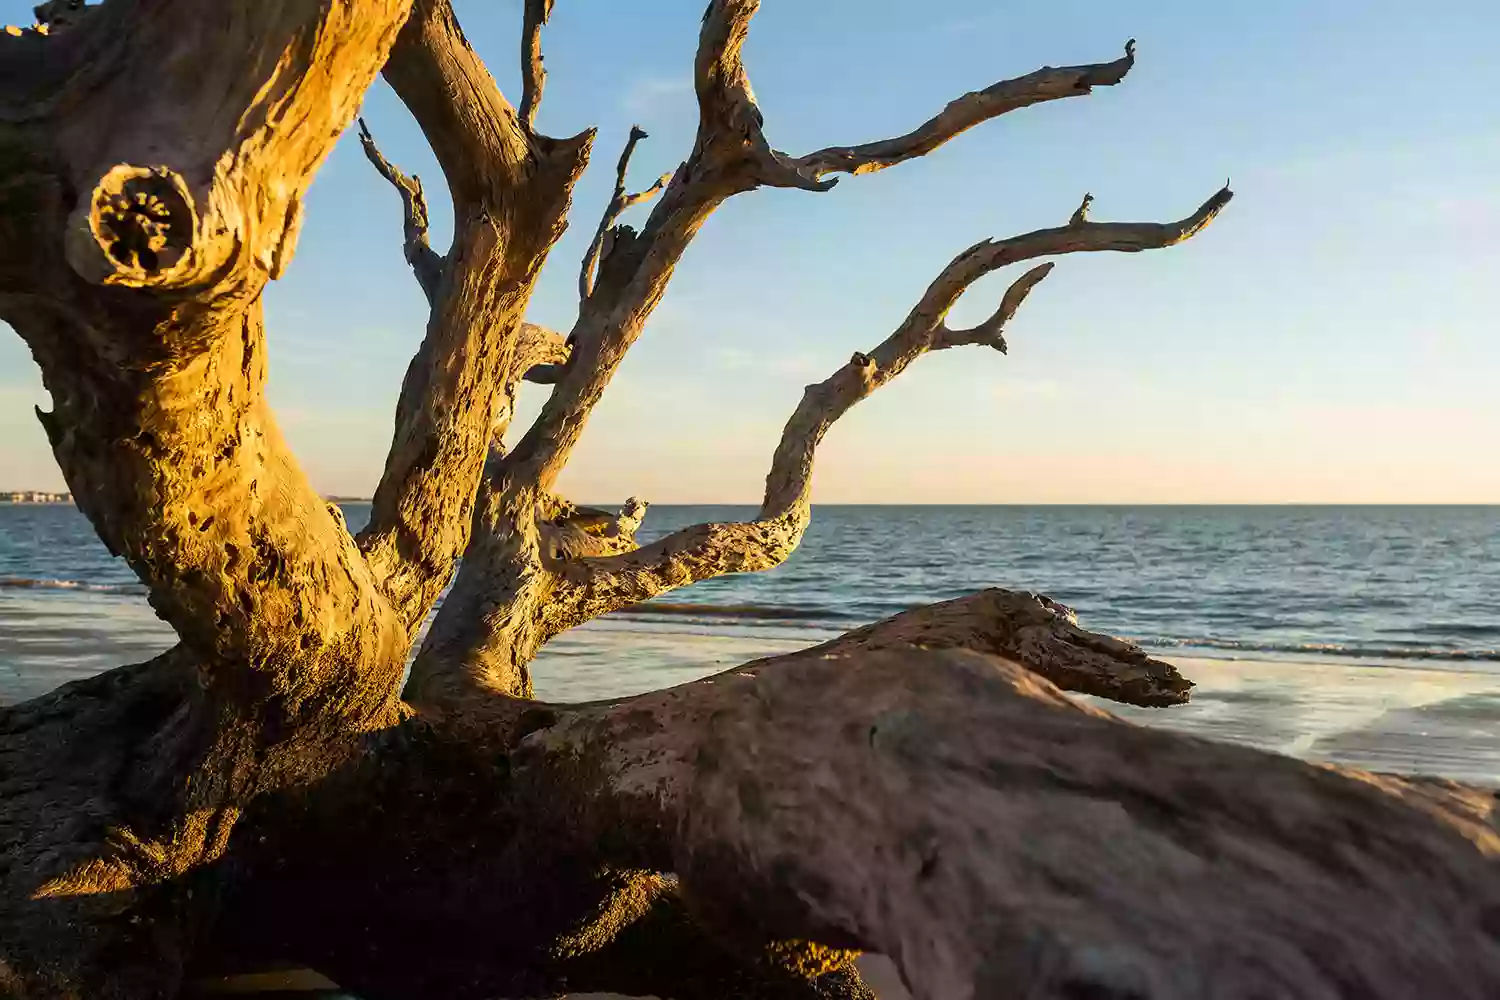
[733,357]
[1037,389]
[643,97]
[791,365]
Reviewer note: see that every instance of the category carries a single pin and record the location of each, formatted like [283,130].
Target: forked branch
[702,551]
[619,203]
[426,263]
[511,191]
[730,155]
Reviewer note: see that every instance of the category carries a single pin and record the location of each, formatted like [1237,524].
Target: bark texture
[269,789]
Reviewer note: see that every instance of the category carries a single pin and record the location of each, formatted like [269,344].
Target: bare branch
[619,202]
[706,550]
[511,192]
[636,269]
[731,155]
[474,644]
[961,115]
[474,132]
[426,263]
[990,332]
[533,74]
[625,274]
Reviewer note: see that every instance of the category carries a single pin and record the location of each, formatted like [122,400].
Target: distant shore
[34,497]
[45,497]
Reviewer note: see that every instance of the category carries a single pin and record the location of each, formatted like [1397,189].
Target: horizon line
[340,498]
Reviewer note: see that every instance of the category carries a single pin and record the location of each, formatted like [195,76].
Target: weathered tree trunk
[267,790]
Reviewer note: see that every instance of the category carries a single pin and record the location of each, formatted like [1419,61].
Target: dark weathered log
[960,815]
[1034,631]
[952,811]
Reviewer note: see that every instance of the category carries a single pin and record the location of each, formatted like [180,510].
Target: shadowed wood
[959,814]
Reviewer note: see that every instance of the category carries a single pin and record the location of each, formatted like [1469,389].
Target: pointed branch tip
[618,203]
[1081,214]
[533,71]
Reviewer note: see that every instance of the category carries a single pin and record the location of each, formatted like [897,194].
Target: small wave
[30,583]
[1455,628]
[764,612]
[1322,649]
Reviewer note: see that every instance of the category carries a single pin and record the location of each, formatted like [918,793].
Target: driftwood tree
[269,788]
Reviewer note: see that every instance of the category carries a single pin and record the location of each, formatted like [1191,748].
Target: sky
[1331,338]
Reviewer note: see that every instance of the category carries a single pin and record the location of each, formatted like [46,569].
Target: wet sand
[1408,718]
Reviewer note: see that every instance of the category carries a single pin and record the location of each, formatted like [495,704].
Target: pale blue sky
[1332,337]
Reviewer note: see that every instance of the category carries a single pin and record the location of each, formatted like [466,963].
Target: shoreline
[1438,717]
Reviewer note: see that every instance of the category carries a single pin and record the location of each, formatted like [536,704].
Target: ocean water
[1412,584]
[1401,586]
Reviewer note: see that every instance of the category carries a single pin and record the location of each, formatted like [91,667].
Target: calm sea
[1412,587]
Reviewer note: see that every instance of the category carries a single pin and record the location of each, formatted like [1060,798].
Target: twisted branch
[698,552]
[962,114]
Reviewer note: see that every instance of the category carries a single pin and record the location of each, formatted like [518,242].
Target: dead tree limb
[426,263]
[619,202]
[953,811]
[511,191]
[623,277]
[597,586]
[533,74]
[731,155]
[1034,631]
[963,114]
[1026,844]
